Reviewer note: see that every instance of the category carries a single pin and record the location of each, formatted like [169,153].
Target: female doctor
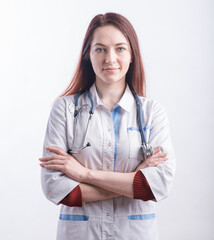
[94,163]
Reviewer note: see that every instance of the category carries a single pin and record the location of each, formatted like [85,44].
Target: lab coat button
[107,214]
[109,144]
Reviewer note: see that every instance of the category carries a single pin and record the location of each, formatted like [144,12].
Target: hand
[63,162]
[153,160]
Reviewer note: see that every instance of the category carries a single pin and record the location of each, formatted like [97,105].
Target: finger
[156,150]
[52,166]
[159,155]
[56,150]
[158,161]
[155,161]
[53,162]
[51,157]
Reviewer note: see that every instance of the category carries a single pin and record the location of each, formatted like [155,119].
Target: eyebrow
[101,44]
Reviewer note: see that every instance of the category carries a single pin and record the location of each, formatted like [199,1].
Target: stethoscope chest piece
[146,151]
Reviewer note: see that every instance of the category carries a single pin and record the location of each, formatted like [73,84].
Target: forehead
[108,35]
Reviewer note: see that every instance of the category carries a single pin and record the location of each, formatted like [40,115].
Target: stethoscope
[146,150]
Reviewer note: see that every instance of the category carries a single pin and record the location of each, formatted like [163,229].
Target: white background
[40,43]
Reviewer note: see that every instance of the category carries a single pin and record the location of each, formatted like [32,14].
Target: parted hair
[84,76]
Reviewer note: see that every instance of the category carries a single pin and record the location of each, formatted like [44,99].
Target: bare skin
[110,56]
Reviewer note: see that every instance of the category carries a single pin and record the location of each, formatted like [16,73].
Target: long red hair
[84,76]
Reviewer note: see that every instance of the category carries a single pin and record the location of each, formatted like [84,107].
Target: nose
[110,56]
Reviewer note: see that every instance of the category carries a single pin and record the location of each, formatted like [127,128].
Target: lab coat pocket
[135,141]
[72,227]
[143,225]
[78,227]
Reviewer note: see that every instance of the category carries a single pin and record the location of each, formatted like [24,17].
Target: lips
[110,69]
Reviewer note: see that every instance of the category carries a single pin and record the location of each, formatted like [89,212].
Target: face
[110,55]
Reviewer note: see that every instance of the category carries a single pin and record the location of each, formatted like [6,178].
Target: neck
[110,94]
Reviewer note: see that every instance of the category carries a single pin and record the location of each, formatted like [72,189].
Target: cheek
[95,66]
[126,65]
[125,60]
[95,61]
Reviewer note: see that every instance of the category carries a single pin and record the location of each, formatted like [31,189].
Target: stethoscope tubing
[140,116]
[77,104]
[146,149]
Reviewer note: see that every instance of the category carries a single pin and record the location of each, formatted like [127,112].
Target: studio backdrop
[40,43]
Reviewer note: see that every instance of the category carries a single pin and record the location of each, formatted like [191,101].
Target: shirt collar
[126,102]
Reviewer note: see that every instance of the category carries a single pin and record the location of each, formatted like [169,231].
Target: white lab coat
[120,218]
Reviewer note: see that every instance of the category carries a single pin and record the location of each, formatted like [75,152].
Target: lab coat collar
[94,95]
[126,102]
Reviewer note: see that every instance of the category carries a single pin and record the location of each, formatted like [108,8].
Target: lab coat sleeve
[160,177]
[55,184]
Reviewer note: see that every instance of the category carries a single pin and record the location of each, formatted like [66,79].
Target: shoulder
[62,104]
[151,104]
[64,100]
[154,109]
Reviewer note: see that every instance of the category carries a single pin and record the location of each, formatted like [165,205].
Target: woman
[92,163]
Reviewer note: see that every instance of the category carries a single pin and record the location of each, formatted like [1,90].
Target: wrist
[87,175]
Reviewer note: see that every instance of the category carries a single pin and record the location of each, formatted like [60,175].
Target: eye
[121,49]
[100,50]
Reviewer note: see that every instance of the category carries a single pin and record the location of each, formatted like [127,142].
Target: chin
[113,79]
[110,79]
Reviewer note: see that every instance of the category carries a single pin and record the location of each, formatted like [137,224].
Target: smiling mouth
[110,69]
